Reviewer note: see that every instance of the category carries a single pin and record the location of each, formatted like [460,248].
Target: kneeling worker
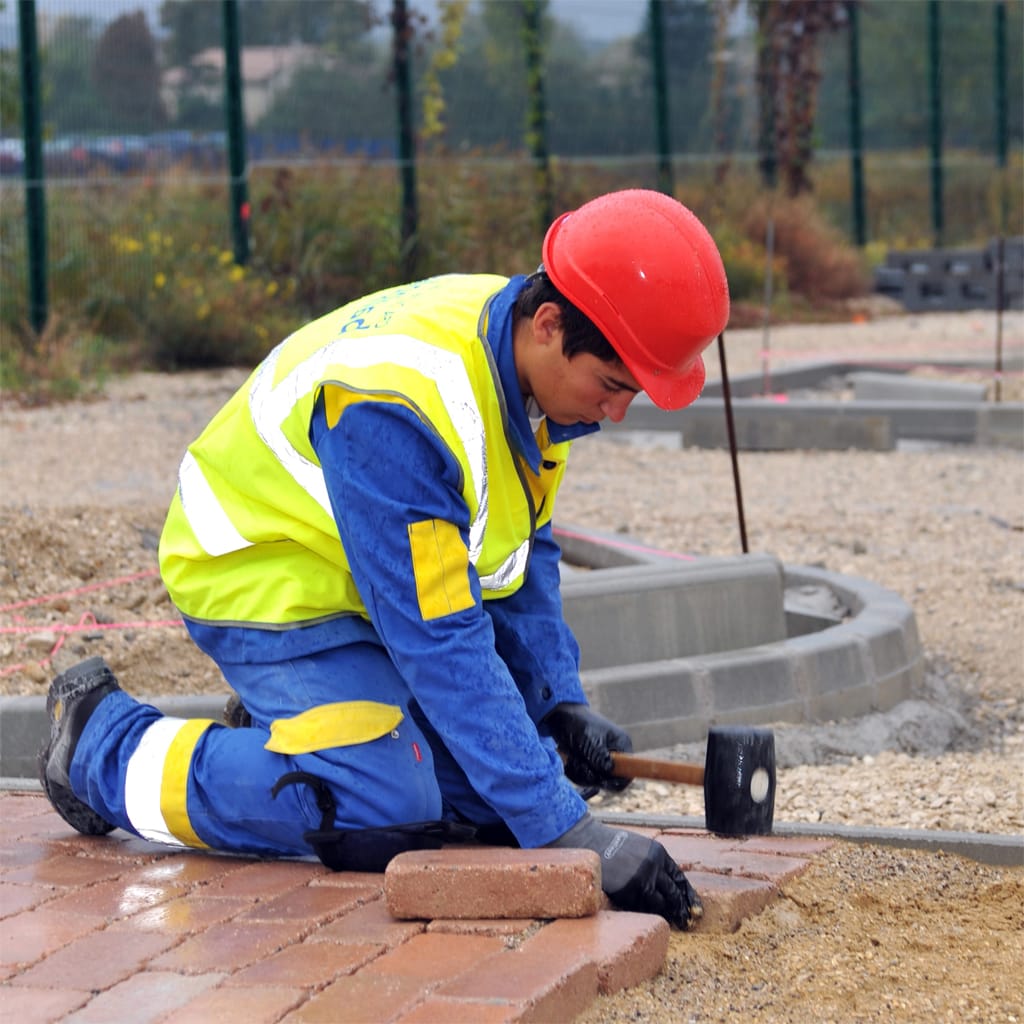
[361,540]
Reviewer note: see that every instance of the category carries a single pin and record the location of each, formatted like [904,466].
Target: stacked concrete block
[955,279]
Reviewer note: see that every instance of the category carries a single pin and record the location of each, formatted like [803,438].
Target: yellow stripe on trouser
[156,781]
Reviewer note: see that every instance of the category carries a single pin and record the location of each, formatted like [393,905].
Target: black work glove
[586,739]
[637,873]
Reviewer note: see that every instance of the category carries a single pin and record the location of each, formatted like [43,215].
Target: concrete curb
[912,412]
[743,640]
[674,646]
[984,847]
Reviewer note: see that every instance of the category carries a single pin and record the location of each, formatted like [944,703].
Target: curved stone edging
[865,657]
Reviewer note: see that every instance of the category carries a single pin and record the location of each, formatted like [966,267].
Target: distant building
[266,71]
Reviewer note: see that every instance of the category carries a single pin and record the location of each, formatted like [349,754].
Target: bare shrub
[818,262]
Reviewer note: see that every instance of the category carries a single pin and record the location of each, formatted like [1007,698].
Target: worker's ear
[547,323]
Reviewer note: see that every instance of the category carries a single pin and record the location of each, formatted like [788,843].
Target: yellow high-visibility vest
[250,537]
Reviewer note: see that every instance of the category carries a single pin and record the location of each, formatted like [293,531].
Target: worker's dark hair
[580,334]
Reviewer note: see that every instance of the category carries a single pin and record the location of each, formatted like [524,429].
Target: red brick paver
[114,928]
[493,882]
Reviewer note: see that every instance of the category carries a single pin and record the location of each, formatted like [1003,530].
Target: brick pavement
[118,929]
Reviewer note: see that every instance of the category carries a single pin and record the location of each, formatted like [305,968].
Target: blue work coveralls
[473,687]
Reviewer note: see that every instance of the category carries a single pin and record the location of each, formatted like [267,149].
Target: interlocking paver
[509,928]
[30,935]
[314,904]
[728,900]
[97,960]
[15,898]
[264,1005]
[190,869]
[188,915]
[697,853]
[114,928]
[144,998]
[627,948]
[40,1005]
[434,958]
[546,984]
[369,922]
[230,946]
[261,880]
[15,853]
[65,870]
[479,881]
[358,999]
[310,965]
[114,898]
[461,1011]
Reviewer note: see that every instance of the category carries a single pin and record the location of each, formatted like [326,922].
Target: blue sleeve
[385,469]
[533,638]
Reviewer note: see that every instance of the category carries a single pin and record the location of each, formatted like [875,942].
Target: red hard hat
[645,270]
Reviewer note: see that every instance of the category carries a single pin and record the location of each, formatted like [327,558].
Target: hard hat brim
[671,391]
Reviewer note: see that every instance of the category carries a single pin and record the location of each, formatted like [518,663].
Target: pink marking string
[622,545]
[87,623]
[867,358]
[46,598]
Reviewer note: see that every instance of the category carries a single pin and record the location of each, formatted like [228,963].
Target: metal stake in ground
[731,428]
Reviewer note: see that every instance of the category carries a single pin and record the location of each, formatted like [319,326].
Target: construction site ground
[859,933]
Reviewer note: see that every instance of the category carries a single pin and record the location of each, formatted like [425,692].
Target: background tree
[127,76]
[10,93]
[70,100]
[789,73]
[188,29]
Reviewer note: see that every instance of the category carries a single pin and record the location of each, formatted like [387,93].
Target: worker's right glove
[637,873]
[587,740]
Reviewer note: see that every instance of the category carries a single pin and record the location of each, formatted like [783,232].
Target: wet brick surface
[114,928]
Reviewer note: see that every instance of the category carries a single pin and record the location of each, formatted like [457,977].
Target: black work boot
[71,701]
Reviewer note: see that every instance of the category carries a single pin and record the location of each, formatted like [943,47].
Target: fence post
[657,20]
[1000,73]
[35,185]
[236,133]
[860,233]
[401,36]
[536,114]
[935,95]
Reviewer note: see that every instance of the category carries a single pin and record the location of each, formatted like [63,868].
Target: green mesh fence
[136,150]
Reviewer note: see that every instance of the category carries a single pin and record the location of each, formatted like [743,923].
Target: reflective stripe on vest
[270,405]
[210,523]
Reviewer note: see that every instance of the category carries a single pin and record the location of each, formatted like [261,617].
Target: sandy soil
[867,934]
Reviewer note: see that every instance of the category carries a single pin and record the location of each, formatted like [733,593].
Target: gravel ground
[901,937]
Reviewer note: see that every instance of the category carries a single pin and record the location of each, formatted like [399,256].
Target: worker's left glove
[586,740]
[637,873]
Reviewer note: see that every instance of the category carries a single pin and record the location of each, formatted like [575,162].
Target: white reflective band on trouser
[155,784]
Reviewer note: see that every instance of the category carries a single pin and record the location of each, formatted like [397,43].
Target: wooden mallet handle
[630,766]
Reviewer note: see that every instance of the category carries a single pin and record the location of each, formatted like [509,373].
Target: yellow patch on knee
[342,724]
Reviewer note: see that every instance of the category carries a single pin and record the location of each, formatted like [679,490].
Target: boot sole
[78,815]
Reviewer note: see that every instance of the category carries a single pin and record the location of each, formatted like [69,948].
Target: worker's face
[582,389]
